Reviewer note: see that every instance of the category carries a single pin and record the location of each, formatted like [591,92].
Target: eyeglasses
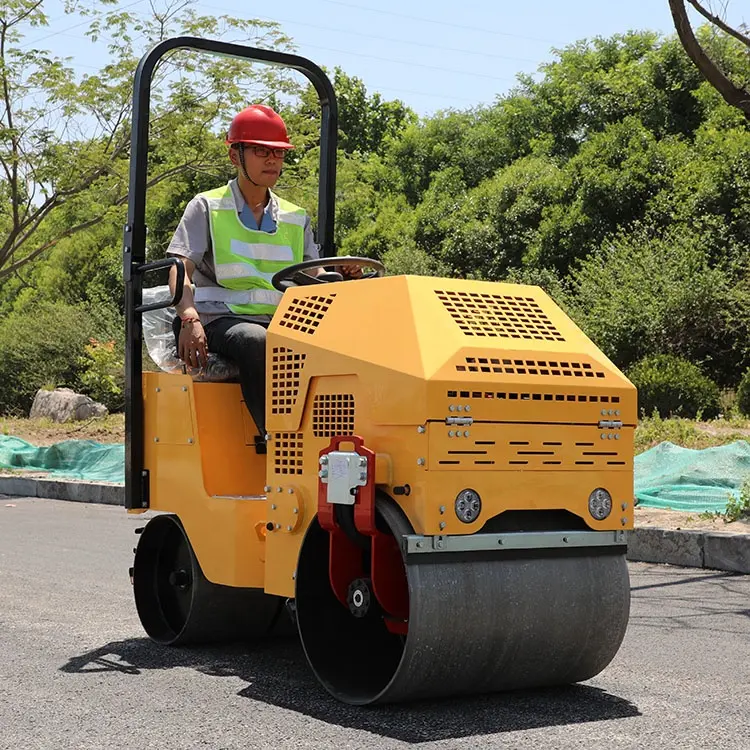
[264,152]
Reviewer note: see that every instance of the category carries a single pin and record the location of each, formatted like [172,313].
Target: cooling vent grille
[499,315]
[580,398]
[333,414]
[530,367]
[287,452]
[306,313]
[286,368]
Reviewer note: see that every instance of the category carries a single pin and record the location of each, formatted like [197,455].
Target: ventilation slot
[304,314]
[287,453]
[571,397]
[286,368]
[497,366]
[333,414]
[499,315]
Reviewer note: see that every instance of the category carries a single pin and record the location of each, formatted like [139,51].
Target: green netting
[668,476]
[72,459]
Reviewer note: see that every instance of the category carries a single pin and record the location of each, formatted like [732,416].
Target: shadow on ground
[277,673]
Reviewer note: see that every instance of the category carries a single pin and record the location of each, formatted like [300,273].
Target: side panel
[201,469]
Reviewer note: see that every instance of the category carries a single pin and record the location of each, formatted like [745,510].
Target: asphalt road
[77,672]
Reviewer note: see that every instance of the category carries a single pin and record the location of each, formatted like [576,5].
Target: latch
[615,424]
[463,421]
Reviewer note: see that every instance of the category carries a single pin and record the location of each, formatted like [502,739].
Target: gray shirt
[192,240]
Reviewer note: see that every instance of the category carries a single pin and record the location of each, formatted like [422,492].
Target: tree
[64,139]
[736,94]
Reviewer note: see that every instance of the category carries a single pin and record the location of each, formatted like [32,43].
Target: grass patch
[107,429]
[689,433]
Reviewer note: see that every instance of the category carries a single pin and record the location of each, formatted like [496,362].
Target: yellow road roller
[448,480]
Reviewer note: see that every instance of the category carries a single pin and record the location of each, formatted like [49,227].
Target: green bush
[103,374]
[42,347]
[743,395]
[672,386]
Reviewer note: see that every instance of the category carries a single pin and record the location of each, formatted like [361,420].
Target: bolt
[610,436]
[565,539]
[604,412]
[451,408]
[623,521]
[266,489]
[500,541]
[611,412]
[442,509]
[323,473]
[294,576]
[190,440]
[278,489]
[439,545]
[156,440]
[362,461]
[617,413]
[323,460]
[362,476]
[420,462]
[443,524]
[624,506]
[460,408]
[158,390]
[603,436]
[421,429]
[278,525]
[420,545]
[290,491]
[466,433]
[295,511]
[451,433]
[273,506]
[288,528]
[617,436]
[268,436]
[468,408]
[184,388]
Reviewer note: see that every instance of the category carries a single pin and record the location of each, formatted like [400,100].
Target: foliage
[739,507]
[743,395]
[41,348]
[64,138]
[652,430]
[103,374]
[671,386]
[642,295]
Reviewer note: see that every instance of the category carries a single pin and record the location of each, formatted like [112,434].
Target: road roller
[448,481]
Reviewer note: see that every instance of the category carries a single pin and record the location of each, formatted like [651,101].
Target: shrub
[743,395]
[103,373]
[42,347]
[672,386]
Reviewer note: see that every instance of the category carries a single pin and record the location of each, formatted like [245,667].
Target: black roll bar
[134,245]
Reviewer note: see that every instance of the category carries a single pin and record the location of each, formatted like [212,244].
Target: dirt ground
[43,432]
[675,519]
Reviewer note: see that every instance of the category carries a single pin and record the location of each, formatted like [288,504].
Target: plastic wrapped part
[160,343]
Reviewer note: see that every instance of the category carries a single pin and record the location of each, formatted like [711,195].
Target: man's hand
[193,349]
[350,271]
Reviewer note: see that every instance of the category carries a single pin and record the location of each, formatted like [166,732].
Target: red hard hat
[260,125]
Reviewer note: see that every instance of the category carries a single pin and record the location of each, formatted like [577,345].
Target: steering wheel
[295,275]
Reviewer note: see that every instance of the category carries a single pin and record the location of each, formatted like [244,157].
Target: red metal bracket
[345,561]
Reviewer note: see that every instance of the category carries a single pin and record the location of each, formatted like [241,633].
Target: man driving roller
[233,240]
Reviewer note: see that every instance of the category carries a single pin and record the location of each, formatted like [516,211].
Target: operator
[232,241]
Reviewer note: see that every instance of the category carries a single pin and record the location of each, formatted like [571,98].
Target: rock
[65,405]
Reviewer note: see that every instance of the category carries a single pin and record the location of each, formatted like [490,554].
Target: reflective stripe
[298,219]
[225,203]
[262,251]
[236,297]
[226,271]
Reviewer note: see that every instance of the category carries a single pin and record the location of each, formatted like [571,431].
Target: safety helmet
[259,125]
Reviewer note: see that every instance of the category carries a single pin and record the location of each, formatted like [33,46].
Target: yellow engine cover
[455,384]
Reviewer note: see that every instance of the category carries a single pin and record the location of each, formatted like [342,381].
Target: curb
[690,549]
[55,489]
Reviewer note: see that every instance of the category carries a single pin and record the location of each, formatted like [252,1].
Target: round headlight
[600,503]
[468,506]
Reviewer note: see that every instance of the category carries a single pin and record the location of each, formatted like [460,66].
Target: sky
[432,55]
